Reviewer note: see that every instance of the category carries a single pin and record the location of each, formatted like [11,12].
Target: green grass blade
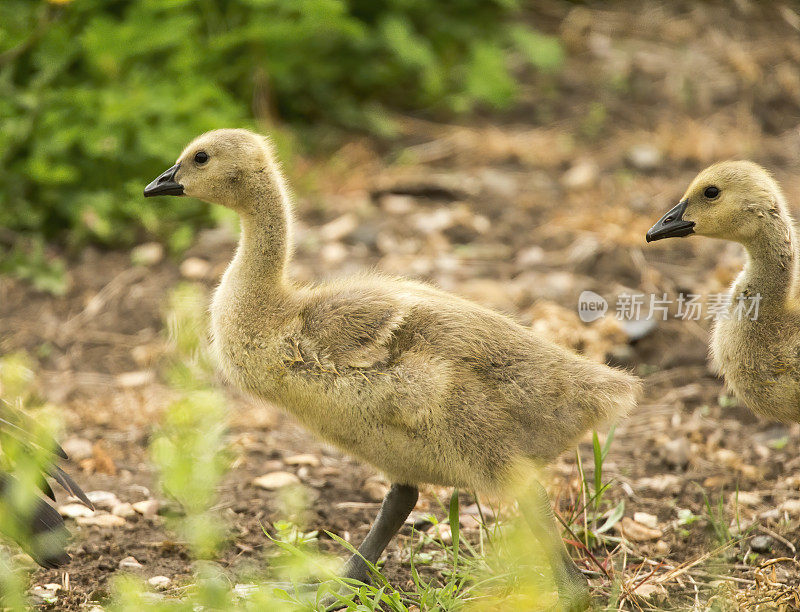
[454,527]
[609,440]
[613,518]
[598,469]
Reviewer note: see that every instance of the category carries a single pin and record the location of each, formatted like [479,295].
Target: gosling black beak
[671,225]
[165,184]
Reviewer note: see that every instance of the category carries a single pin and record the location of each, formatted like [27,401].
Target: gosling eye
[711,192]
[200,157]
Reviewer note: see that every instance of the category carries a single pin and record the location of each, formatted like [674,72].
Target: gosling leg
[573,588]
[396,506]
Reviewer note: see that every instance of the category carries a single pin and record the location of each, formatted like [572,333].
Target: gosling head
[217,167]
[729,200]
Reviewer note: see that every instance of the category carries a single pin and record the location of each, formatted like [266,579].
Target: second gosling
[423,385]
[756,341]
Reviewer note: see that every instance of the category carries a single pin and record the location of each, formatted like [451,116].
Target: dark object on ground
[27,518]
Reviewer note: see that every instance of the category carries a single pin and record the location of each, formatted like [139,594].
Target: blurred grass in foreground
[24,459]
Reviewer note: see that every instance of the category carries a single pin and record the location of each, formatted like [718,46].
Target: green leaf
[541,51]
[455,526]
[487,77]
[609,440]
[616,515]
[598,464]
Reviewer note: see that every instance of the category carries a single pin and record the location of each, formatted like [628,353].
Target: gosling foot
[396,506]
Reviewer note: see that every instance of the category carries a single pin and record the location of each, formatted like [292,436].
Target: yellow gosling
[423,385]
[757,352]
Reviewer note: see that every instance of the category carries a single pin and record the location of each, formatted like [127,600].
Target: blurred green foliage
[25,456]
[190,449]
[101,95]
[28,260]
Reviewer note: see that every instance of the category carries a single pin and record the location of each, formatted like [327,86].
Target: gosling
[423,385]
[756,340]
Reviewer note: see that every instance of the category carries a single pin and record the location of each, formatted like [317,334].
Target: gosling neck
[771,270]
[264,249]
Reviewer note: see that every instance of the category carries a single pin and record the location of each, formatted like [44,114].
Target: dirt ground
[522,212]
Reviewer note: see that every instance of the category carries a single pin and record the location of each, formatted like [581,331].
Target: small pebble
[139,378]
[791,507]
[75,511]
[124,510]
[728,457]
[310,460]
[376,488]
[644,157]
[129,563]
[503,184]
[441,531]
[470,522]
[582,175]
[748,498]
[649,590]
[772,514]
[339,228]
[660,483]
[275,480]
[100,520]
[77,448]
[159,583]
[195,268]
[395,204]
[636,532]
[104,500]
[146,354]
[648,520]
[761,543]
[273,465]
[530,256]
[676,453]
[662,548]
[333,253]
[433,221]
[148,507]
[636,329]
[147,254]
[44,594]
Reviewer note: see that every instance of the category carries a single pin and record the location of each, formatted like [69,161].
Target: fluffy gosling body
[760,359]
[423,385]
